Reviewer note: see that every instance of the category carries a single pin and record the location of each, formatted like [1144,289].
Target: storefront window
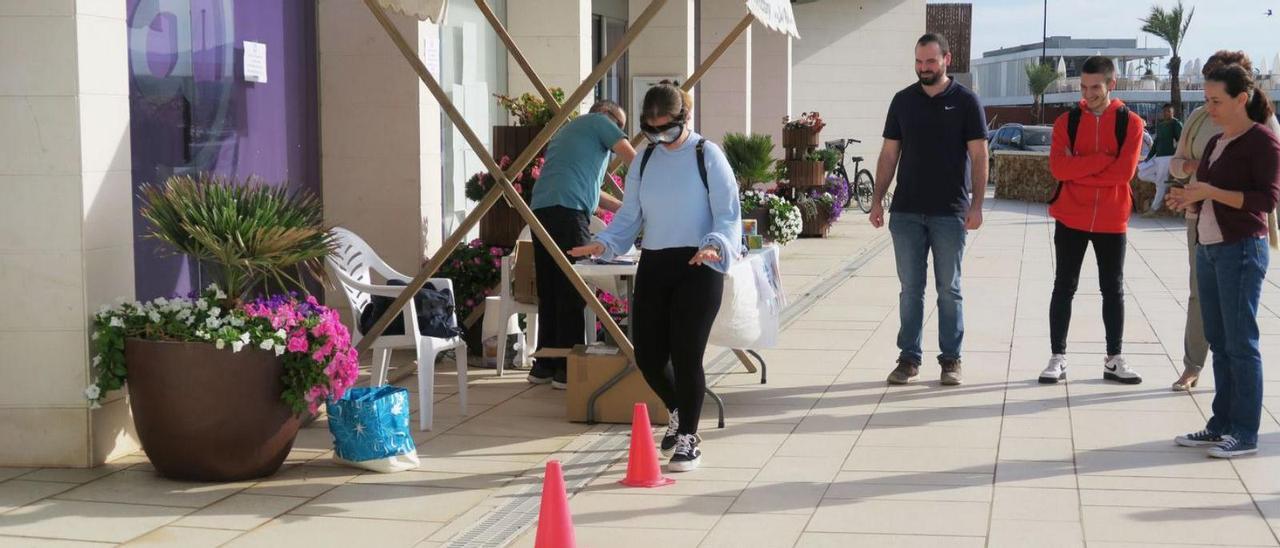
[192,111]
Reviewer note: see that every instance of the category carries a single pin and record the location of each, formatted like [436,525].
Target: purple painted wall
[192,111]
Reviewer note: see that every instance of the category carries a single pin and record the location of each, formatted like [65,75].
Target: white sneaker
[1115,369]
[1056,371]
[687,456]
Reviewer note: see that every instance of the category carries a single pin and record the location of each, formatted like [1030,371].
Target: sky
[1217,24]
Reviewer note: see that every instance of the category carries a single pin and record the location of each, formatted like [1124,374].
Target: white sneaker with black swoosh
[1115,369]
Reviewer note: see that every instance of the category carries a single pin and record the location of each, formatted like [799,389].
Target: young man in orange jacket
[1095,152]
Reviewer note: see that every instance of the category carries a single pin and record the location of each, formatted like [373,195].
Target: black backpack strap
[644,160]
[702,164]
[1122,127]
[1073,125]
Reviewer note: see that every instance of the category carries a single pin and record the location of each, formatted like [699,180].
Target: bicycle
[862,188]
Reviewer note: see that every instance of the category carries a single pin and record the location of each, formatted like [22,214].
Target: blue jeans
[1230,284]
[914,235]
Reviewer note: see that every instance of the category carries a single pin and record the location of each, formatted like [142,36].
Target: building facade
[100,97]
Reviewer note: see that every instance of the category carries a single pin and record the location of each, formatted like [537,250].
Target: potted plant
[220,380]
[802,131]
[530,113]
[817,209]
[750,157]
[777,219]
[501,225]
[476,271]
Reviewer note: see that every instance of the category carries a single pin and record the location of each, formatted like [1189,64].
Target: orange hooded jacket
[1094,193]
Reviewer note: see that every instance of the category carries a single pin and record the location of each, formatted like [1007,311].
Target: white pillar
[770,82]
[380,135]
[664,49]
[555,36]
[726,89]
[67,218]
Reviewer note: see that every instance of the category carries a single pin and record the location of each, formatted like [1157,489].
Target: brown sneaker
[950,372]
[906,372]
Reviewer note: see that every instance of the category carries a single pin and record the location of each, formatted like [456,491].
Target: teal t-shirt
[576,159]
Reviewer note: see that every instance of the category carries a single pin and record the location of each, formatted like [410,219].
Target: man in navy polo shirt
[936,138]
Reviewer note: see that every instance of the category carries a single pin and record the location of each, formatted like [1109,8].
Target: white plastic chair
[351,266]
[509,308]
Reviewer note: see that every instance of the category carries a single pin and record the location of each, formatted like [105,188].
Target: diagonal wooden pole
[516,54]
[503,179]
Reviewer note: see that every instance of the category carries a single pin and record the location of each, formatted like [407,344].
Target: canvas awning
[424,10]
[775,14]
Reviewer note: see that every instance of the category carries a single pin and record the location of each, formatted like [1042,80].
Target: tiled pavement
[824,455]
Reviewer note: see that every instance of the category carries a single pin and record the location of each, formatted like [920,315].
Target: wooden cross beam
[503,180]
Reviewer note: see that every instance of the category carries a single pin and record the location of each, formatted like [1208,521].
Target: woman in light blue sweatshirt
[692,229]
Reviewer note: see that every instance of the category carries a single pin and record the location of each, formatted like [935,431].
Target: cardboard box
[524,283]
[589,371]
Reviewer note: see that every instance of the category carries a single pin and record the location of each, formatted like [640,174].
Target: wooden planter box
[799,138]
[510,141]
[806,173]
[501,225]
[817,227]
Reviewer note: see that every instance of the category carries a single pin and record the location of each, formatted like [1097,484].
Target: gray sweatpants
[1195,349]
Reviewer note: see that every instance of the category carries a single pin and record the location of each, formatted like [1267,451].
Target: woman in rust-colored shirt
[1235,189]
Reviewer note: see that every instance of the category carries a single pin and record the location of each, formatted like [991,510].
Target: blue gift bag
[370,427]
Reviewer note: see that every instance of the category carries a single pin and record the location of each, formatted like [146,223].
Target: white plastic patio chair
[511,308]
[351,266]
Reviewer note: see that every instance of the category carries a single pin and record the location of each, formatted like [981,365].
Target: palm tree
[1039,78]
[1170,26]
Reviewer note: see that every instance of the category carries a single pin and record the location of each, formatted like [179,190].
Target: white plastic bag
[738,325]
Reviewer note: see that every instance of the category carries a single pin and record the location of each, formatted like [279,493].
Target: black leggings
[1109,250]
[673,307]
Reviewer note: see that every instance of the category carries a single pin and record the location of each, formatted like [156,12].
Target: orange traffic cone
[555,525]
[643,469]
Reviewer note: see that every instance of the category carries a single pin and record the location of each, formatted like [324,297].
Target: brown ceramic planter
[205,414]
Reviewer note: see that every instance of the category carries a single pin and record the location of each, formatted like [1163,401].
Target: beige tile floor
[823,455]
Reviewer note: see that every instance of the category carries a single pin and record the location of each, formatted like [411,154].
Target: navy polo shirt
[933,170]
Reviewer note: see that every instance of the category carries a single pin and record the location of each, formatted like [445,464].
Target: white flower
[236,346]
[279,349]
[116,322]
[94,405]
[97,360]
[104,310]
[219,344]
[160,301]
[236,322]
[281,334]
[155,316]
[94,336]
[92,392]
[213,323]
[266,344]
[244,338]
[202,334]
[215,311]
[202,304]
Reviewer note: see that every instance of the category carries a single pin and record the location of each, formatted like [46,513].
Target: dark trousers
[674,305]
[1109,249]
[560,307]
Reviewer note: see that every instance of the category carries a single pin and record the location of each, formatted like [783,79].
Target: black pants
[1109,251]
[674,305]
[560,307]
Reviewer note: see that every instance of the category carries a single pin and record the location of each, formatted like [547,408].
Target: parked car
[1025,138]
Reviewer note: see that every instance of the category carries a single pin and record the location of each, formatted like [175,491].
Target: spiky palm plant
[251,232]
[1171,26]
[1039,78]
[750,157]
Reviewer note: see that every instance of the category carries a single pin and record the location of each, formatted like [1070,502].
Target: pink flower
[298,342]
[536,172]
[519,189]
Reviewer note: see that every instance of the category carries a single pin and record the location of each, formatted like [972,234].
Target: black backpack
[435,313]
[1122,125]
[702,162]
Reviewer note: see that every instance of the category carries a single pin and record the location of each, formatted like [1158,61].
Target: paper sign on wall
[255,62]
